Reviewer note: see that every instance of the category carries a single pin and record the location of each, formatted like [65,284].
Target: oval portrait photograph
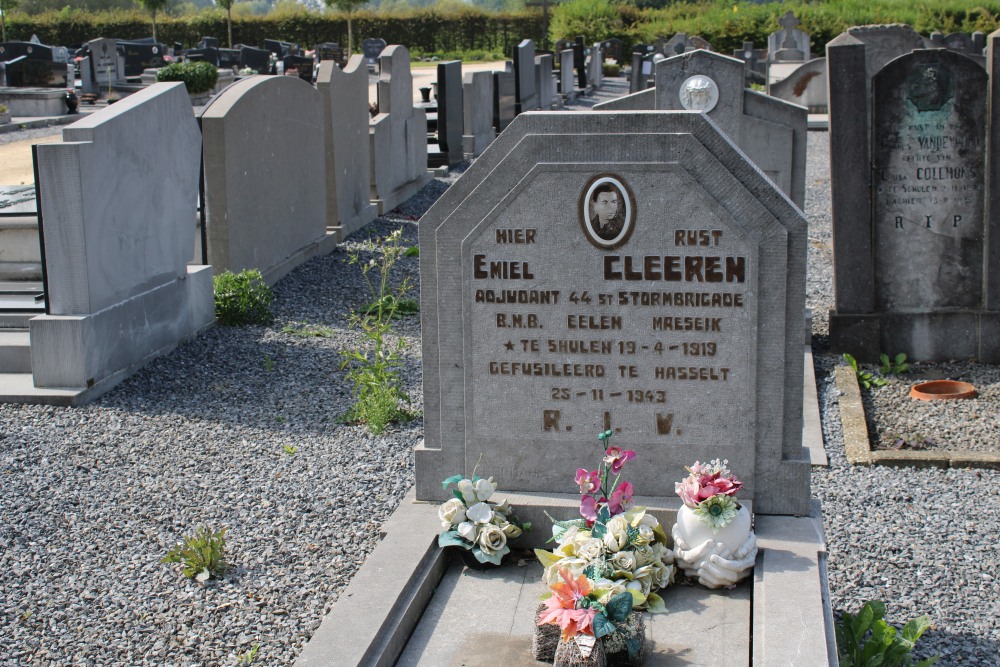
[607,211]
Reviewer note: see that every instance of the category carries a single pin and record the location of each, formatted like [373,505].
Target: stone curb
[857,444]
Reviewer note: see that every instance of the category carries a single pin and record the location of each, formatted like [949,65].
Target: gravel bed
[93,497]
[26,135]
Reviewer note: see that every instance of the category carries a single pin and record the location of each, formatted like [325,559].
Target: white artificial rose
[618,527]
[492,540]
[503,508]
[480,513]
[451,512]
[589,548]
[644,555]
[644,537]
[468,492]
[663,575]
[485,489]
[613,588]
[468,530]
[510,530]
[611,543]
[661,552]
[569,536]
[648,520]
[574,565]
[644,576]
[624,560]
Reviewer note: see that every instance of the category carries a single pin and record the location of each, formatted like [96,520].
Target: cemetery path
[15,156]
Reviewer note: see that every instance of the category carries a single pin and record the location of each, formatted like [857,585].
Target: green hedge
[428,31]
[724,23]
[198,77]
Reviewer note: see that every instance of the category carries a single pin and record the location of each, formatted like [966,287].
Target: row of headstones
[470,112]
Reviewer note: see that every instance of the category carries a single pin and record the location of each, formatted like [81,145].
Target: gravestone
[279,48]
[331,51]
[915,238]
[30,50]
[107,66]
[789,43]
[566,58]
[681,43]
[613,49]
[642,67]
[579,61]
[209,54]
[543,81]
[449,116]
[23,72]
[771,132]
[547,319]
[970,45]
[139,56]
[348,158]
[398,134]
[478,113]
[372,48]
[755,61]
[229,58]
[258,60]
[208,43]
[303,66]
[805,86]
[504,100]
[118,204]
[265,178]
[595,64]
[524,76]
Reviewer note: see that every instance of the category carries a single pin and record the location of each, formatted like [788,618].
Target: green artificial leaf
[458,494]
[547,558]
[619,607]
[412,251]
[599,530]
[592,572]
[476,478]
[603,515]
[451,538]
[602,626]
[633,645]
[454,479]
[494,557]
[638,598]
[655,604]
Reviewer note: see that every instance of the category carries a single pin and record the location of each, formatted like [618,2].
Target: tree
[228,6]
[5,6]
[153,6]
[348,7]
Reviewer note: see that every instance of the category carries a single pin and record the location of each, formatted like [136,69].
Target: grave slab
[478,113]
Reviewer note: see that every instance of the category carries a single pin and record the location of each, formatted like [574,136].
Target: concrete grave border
[857,444]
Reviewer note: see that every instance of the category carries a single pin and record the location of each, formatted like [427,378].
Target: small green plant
[242,298]
[866,640]
[202,555]
[374,371]
[291,450]
[247,658]
[865,379]
[759,87]
[611,69]
[198,76]
[307,331]
[3,108]
[280,419]
[895,366]
[268,363]
[399,308]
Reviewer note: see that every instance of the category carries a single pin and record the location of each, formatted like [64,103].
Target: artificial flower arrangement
[472,522]
[713,537]
[615,548]
[710,492]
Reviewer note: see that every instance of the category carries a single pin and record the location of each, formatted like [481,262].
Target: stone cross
[789,23]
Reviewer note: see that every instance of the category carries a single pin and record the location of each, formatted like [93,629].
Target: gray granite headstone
[914,264]
[771,132]
[504,99]
[629,271]
[449,111]
[524,76]
[107,65]
[566,72]
[789,43]
[543,81]
[478,113]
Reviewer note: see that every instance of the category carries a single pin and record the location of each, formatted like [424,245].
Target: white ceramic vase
[727,540]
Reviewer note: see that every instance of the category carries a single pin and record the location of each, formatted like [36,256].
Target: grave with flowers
[612,312]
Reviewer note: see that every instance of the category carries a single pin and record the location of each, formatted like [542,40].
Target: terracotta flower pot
[942,390]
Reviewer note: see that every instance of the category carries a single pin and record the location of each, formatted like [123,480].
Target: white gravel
[91,498]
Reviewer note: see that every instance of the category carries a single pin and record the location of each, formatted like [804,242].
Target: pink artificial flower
[588,508]
[561,606]
[588,481]
[688,489]
[616,457]
[621,498]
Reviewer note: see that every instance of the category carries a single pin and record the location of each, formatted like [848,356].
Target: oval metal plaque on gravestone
[372,47]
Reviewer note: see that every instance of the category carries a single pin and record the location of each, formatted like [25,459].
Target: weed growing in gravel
[307,331]
[915,441]
[867,640]
[242,298]
[894,366]
[291,449]
[247,658]
[865,379]
[268,363]
[203,555]
[374,371]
